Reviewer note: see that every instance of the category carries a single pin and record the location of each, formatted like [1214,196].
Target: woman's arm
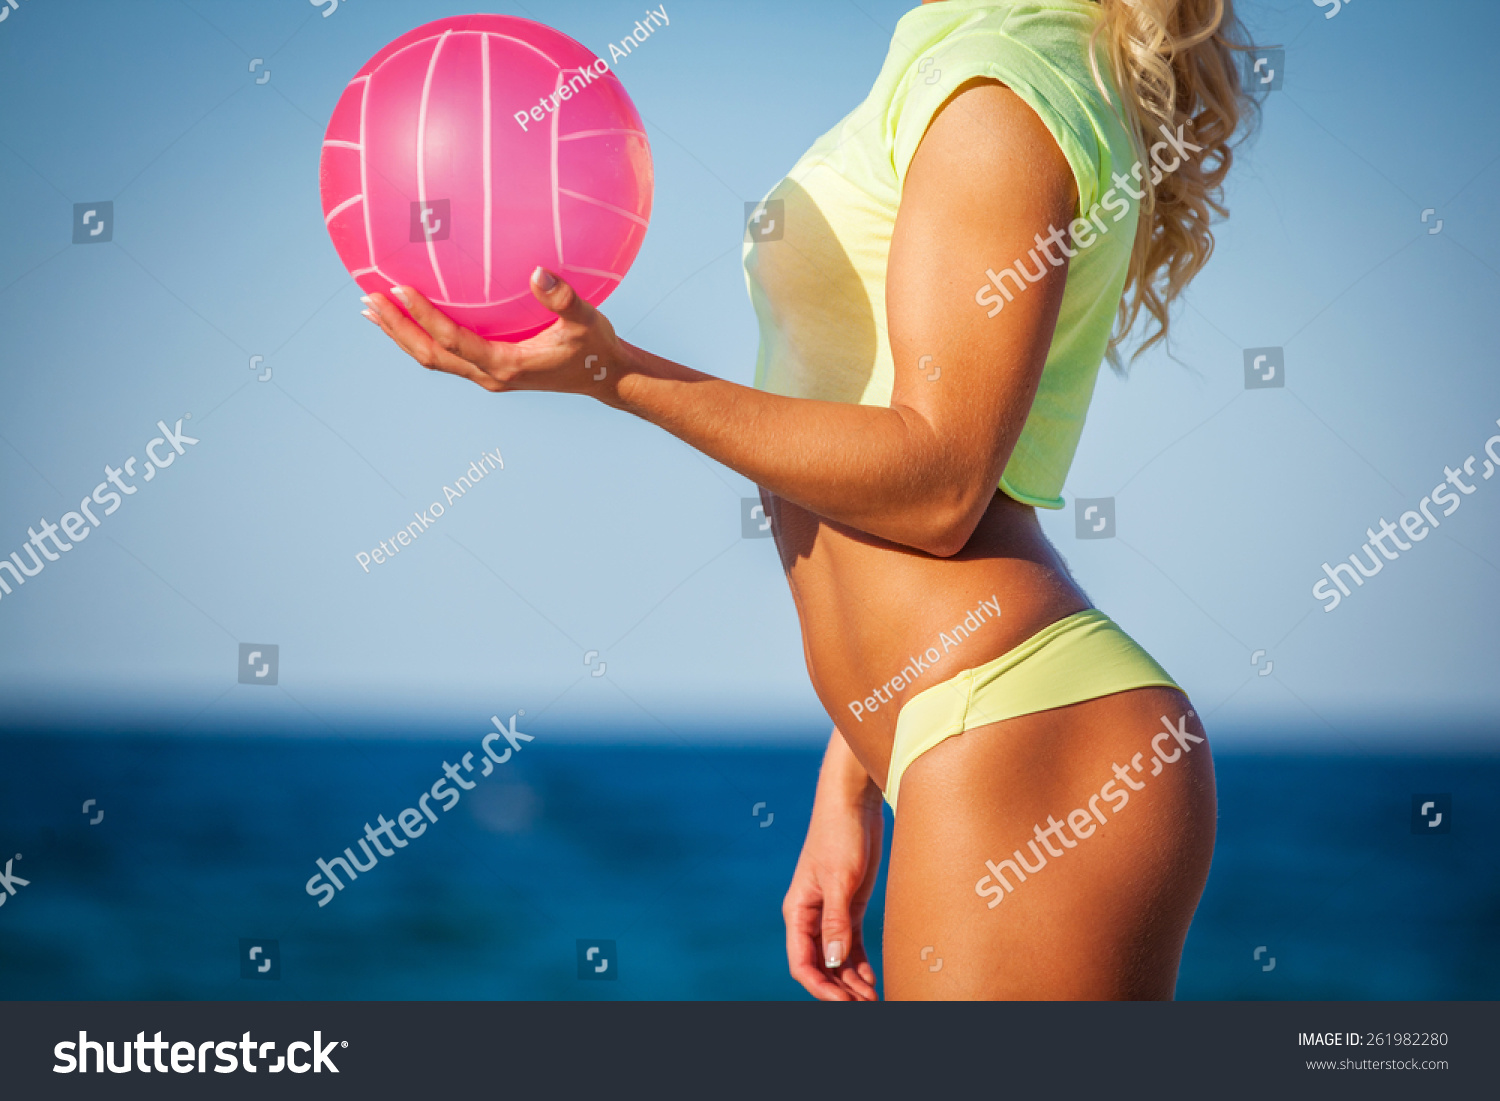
[824,908]
[986,185]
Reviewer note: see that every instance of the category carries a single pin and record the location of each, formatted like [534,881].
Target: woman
[904,427]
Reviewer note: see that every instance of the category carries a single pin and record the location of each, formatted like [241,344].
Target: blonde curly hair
[1174,62]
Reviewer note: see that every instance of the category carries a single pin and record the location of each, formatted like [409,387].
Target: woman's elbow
[947,543]
[951,526]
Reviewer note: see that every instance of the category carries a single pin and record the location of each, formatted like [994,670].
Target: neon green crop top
[818,279]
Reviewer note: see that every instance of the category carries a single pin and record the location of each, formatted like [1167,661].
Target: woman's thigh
[1106,915]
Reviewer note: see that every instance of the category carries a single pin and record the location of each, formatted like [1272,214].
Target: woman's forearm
[843,781]
[879,470]
[919,470]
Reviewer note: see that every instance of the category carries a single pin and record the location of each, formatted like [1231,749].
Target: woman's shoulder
[1040,49]
[1055,32]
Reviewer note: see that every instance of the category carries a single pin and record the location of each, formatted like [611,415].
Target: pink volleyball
[473,149]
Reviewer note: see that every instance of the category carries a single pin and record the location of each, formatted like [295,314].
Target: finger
[858,977]
[805,967]
[559,297]
[803,960]
[842,952]
[415,342]
[837,930]
[446,333]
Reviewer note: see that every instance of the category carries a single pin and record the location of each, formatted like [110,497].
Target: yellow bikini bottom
[1082,657]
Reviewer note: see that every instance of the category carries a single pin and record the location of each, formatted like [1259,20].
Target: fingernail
[544,278]
[400,295]
[370,315]
[835,953]
[367,300]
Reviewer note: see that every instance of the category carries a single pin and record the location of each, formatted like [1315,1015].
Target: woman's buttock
[1057,855]
[881,622]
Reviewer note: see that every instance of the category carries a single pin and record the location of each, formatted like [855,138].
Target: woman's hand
[578,354]
[825,905]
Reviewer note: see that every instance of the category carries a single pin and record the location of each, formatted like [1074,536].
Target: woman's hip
[1056,854]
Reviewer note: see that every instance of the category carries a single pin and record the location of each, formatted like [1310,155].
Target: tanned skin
[890,528]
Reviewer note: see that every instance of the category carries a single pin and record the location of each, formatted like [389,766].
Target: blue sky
[603,534]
